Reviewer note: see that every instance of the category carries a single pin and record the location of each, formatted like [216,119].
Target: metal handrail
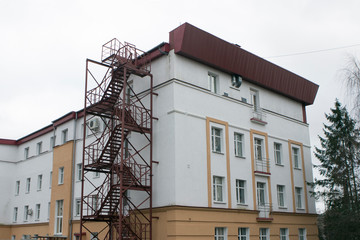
[262,165]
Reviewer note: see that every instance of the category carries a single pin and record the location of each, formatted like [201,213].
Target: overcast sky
[44,45]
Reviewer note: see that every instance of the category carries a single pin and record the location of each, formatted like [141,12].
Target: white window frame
[284,234]
[218,189]
[77,207]
[28,185]
[220,233]
[79,171]
[299,198]
[15,214]
[296,157]
[261,193]
[255,101]
[302,234]
[259,149]
[216,138]
[281,195]
[61,175]
[17,187]
[213,82]
[37,211]
[13,237]
[39,182]
[26,215]
[64,135]
[240,191]
[26,152]
[239,144]
[264,233]
[38,148]
[243,233]
[59,212]
[94,202]
[278,153]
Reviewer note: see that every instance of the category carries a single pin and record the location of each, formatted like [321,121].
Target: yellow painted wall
[62,158]
[5,232]
[182,223]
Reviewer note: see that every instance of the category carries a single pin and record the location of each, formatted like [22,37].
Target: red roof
[201,46]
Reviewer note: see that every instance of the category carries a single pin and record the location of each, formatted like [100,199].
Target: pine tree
[339,167]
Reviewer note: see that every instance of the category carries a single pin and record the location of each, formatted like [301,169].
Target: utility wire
[315,51]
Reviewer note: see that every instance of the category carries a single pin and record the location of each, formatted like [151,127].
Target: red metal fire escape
[117,204]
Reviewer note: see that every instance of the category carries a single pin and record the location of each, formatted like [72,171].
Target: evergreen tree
[339,167]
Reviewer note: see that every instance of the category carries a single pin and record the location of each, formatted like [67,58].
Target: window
[26,153]
[77,207]
[26,213]
[13,237]
[277,153]
[259,149]
[37,212]
[64,136]
[59,216]
[220,233]
[240,191]
[28,180]
[38,148]
[216,137]
[284,234]
[302,234]
[94,202]
[213,83]
[218,194]
[296,157]
[264,234]
[261,199]
[243,234]
[255,99]
[238,144]
[39,182]
[52,142]
[79,171]
[61,175]
[50,182]
[17,188]
[48,213]
[15,214]
[298,198]
[281,195]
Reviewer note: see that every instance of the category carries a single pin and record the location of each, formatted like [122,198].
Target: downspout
[72,181]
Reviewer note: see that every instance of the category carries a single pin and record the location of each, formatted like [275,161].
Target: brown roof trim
[194,43]
[7,141]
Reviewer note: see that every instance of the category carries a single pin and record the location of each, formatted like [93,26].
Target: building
[230,141]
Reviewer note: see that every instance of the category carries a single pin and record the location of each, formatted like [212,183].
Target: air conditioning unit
[236,80]
[30,212]
[94,124]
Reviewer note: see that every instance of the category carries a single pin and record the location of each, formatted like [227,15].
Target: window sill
[242,157]
[60,183]
[237,89]
[216,202]
[300,209]
[297,168]
[282,207]
[242,204]
[221,153]
[38,190]
[279,164]
[27,192]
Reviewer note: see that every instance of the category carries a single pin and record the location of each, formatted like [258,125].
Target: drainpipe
[73,181]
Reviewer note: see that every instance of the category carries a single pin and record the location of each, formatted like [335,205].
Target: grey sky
[44,44]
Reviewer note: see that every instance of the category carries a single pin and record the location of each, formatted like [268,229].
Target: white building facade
[231,141]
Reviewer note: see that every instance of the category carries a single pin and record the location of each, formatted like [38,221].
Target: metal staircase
[125,168]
